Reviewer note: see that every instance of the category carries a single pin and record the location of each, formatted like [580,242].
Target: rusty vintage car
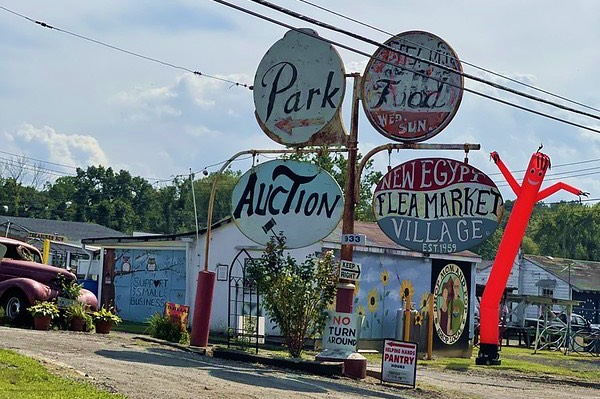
[24,279]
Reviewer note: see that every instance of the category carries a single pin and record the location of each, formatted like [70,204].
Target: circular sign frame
[451,304]
[437,205]
[407,106]
[299,87]
[298,199]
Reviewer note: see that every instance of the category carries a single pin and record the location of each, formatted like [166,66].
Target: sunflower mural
[423,306]
[384,277]
[406,293]
[356,290]
[373,304]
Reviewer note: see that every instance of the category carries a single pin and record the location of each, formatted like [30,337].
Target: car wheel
[15,306]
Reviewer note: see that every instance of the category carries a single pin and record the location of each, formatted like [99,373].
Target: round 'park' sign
[437,205]
[296,198]
[298,88]
[410,99]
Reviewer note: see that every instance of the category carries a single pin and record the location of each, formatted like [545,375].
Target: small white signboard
[354,239]
[341,332]
[349,270]
[399,362]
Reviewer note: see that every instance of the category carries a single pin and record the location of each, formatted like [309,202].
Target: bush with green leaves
[44,308]
[295,295]
[69,288]
[105,314]
[163,327]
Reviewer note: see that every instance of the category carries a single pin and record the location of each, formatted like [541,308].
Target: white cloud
[66,149]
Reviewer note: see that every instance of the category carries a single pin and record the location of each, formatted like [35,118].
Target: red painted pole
[202,308]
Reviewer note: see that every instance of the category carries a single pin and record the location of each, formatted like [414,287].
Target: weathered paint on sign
[297,198]
[298,88]
[437,205]
[410,100]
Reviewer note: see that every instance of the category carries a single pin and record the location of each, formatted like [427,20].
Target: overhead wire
[437,51]
[132,53]
[436,64]
[354,50]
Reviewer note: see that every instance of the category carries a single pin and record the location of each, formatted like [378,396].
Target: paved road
[144,370]
[141,370]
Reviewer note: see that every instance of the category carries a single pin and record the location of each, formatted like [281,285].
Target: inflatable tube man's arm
[548,191]
[506,173]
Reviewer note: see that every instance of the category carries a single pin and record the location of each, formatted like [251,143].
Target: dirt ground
[141,370]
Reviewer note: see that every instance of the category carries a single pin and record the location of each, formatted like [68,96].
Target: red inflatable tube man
[528,194]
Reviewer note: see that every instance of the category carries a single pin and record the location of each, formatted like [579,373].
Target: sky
[70,102]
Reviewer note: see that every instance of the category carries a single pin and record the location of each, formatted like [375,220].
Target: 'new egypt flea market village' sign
[437,205]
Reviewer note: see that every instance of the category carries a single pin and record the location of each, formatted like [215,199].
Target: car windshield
[21,252]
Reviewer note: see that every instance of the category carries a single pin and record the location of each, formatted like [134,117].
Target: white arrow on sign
[349,270]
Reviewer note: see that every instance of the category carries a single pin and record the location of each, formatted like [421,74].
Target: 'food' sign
[299,199]
[437,205]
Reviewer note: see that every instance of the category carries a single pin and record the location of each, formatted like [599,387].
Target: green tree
[336,164]
[295,295]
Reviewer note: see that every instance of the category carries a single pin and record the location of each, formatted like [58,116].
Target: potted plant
[78,317]
[105,319]
[43,313]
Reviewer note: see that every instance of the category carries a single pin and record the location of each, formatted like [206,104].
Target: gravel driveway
[142,370]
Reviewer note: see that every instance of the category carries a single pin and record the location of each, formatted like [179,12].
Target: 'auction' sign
[298,199]
[437,205]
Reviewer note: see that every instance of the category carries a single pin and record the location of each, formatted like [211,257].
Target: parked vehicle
[24,279]
[578,322]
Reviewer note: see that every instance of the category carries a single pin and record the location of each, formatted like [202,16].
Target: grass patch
[24,378]
[132,327]
[524,361]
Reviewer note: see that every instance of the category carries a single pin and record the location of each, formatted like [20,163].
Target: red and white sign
[298,88]
[341,332]
[399,362]
[412,99]
[437,205]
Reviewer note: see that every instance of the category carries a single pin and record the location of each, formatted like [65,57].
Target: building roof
[375,238]
[63,230]
[584,275]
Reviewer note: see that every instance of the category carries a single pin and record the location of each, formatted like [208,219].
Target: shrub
[162,327]
[44,308]
[106,315]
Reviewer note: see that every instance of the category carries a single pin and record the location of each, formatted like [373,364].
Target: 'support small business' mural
[146,279]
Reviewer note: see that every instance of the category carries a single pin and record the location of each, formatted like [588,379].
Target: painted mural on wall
[451,285]
[146,279]
[451,305]
[385,286]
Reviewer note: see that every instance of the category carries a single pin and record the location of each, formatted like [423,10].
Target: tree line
[128,203]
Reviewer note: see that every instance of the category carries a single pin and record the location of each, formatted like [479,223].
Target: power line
[197,73]
[463,61]
[553,166]
[39,160]
[349,48]
[449,69]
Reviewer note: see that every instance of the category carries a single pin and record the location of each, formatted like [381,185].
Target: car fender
[88,297]
[33,290]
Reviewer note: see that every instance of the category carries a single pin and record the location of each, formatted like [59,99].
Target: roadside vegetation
[25,378]
[521,360]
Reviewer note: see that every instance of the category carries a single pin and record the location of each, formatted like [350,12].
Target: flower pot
[42,322]
[77,324]
[103,326]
